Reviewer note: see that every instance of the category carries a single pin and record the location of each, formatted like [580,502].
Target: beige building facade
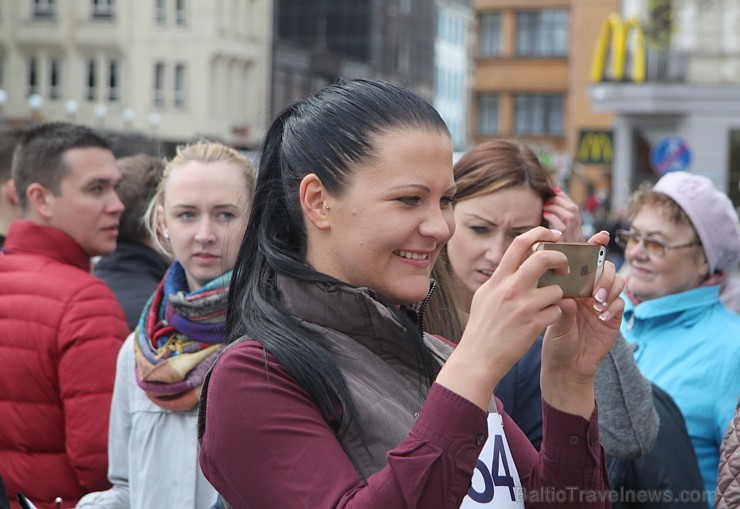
[177,69]
[531,80]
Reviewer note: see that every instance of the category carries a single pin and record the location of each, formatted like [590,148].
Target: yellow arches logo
[595,147]
[615,33]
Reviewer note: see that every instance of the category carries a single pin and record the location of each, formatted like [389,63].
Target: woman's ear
[703,267]
[314,198]
[162,222]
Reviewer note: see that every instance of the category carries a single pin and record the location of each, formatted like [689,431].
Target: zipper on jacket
[423,305]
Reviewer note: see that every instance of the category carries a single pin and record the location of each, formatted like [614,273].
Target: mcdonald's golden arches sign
[595,147]
[612,46]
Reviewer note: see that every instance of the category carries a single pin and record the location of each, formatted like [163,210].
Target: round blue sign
[670,154]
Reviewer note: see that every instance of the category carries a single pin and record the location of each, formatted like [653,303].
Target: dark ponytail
[327,134]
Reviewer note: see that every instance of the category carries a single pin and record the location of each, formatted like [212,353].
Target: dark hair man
[60,326]
[135,268]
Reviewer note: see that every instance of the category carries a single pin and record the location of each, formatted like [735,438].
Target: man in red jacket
[60,327]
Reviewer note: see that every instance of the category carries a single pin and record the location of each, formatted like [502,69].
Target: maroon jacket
[267,445]
[60,331]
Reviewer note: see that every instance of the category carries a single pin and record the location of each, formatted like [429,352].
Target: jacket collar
[129,255]
[27,237]
[356,312]
[688,302]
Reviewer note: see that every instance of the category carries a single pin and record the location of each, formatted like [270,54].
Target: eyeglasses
[655,246]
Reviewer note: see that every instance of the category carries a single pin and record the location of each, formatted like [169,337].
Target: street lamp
[100,112]
[35,102]
[154,120]
[71,108]
[128,116]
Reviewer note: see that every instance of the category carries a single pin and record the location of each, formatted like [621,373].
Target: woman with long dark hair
[330,394]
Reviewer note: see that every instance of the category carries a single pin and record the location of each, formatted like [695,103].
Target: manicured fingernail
[601,295]
[600,306]
[604,231]
[605,316]
[558,190]
[557,232]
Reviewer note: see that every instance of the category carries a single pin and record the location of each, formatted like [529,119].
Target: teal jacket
[689,345]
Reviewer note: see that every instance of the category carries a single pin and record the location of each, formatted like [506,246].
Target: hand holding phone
[586,262]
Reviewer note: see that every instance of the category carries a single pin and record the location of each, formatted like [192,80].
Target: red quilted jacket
[60,331]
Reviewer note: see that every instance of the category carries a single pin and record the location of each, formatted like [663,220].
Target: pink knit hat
[711,213]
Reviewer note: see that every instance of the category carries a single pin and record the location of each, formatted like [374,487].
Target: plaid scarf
[179,336]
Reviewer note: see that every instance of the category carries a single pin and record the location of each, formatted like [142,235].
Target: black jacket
[133,272]
[667,473]
[519,391]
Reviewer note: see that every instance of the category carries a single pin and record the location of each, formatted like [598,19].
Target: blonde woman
[198,217]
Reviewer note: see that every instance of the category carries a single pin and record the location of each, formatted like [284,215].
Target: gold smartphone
[586,262]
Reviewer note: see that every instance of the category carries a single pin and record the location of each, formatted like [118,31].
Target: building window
[490,34]
[55,79]
[180,12]
[460,32]
[450,28]
[488,113]
[33,76]
[103,9]
[160,12]
[540,114]
[114,81]
[44,9]
[733,179]
[159,84]
[542,33]
[91,80]
[180,86]
[442,26]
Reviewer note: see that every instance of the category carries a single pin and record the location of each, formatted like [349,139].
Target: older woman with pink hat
[683,242]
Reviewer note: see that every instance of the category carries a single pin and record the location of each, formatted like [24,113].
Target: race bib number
[495,480]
